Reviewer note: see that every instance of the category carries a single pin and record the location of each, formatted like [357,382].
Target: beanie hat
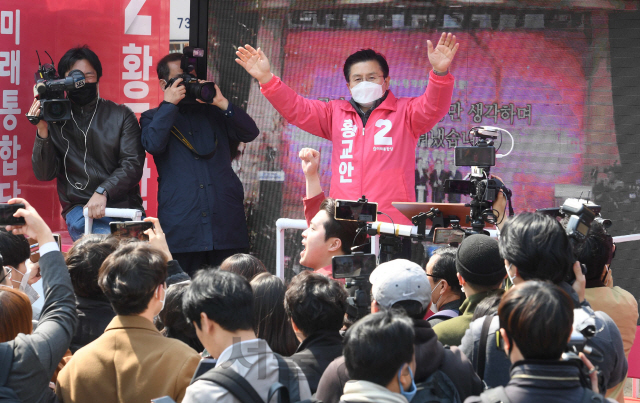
[478,260]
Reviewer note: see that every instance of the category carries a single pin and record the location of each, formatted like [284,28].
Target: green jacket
[450,332]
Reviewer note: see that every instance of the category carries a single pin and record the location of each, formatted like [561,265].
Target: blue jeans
[75,223]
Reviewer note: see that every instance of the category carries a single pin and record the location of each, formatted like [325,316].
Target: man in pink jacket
[375,134]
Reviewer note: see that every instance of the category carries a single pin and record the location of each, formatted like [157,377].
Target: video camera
[195,90]
[54,107]
[584,328]
[356,268]
[483,190]
[581,214]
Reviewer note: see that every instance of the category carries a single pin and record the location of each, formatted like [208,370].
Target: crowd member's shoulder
[332,382]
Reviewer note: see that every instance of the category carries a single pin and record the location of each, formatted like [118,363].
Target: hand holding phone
[34,226]
[7,212]
[131,229]
[157,238]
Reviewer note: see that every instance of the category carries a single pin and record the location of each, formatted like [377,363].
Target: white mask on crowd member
[434,306]
[366,93]
[26,288]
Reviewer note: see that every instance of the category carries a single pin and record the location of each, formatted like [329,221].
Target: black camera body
[50,88]
[482,189]
[205,92]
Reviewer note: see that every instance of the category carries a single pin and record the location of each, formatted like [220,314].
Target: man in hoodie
[402,284]
[375,134]
[381,372]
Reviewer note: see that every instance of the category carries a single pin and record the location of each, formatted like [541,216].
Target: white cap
[400,280]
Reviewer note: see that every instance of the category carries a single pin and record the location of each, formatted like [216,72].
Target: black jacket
[534,381]
[315,354]
[93,318]
[200,201]
[36,356]
[431,356]
[114,156]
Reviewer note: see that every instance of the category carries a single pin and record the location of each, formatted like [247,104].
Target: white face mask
[163,299]
[26,288]
[366,93]
[434,306]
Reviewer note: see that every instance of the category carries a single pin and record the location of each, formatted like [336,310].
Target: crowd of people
[123,322]
[188,317]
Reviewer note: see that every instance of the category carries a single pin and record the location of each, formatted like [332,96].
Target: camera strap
[183,140]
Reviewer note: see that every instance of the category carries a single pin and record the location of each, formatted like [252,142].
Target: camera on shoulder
[205,92]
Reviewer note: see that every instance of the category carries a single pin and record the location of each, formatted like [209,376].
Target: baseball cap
[400,280]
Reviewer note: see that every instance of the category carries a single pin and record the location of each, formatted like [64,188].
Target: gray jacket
[36,355]
[613,367]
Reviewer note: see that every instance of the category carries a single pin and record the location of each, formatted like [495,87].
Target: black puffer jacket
[431,356]
[114,155]
[534,381]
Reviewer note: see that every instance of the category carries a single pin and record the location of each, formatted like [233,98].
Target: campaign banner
[129,37]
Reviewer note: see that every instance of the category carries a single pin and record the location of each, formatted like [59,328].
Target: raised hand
[442,55]
[175,93]
[310,161]
[35,226]
[255,62]
[157,238]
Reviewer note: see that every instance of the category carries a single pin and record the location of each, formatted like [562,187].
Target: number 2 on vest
[379,139]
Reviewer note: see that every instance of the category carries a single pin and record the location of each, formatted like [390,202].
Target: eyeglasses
[7,274]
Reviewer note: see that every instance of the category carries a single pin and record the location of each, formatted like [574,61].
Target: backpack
[445,315]
[7,395]
[498,395]
[288,388]
[437,388]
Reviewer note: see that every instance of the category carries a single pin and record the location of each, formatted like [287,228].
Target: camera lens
[56,110]
[207,92]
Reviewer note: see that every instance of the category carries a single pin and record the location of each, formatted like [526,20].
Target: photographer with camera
[200,197]
[95,153]
[536,247]
[535,325]
[597,252]
[402,284]
[375,132]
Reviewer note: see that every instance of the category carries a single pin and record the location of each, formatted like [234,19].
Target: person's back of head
[171,321]
[315,303]
[84,260]
[479,263]
[401,284]
[537,318]
[221,297]
[15,314]
[538,246]
[246,265]
[270,320]
[378,346]
[131,275]
[595,252]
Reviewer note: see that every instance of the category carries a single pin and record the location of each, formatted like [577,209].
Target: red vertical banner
[129,37]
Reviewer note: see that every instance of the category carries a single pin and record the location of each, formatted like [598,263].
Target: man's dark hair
[315,302]
[248,266]
[538,246]
[270,320]
[172,323]
[14,248]
[130,276]
[80,53]
[365,55]
[411,308]
[84,260]
[538,317]
[343,230]
[445,267]
[163,65]
[225,297]
[377,346]
[595,251]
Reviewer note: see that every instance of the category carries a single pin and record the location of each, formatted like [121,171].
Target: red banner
[129,37]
